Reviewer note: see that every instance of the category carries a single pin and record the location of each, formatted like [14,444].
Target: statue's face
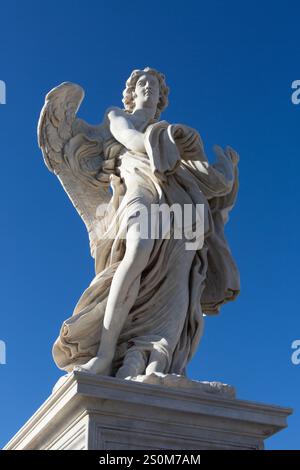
[147,91]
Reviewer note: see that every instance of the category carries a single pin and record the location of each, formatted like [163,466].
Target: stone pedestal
[95,412]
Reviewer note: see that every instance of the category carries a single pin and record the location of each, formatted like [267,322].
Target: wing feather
[73,151]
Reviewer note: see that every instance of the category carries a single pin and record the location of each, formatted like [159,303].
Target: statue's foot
[157,363]
[97,365]
[133,364]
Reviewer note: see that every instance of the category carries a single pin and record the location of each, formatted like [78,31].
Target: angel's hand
[235,158]
[228,154]
[117,189]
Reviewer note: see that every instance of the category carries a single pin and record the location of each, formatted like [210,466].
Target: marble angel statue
[143,311]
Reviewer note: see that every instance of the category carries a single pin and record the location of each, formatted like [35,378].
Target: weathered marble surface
[174,381]
[143,312]
[89,411]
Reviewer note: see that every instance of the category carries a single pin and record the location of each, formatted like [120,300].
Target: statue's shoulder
[114,111]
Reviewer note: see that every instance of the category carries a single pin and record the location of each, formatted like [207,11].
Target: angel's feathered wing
[75,152]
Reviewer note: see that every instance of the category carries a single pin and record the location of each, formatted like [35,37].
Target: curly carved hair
[128,93]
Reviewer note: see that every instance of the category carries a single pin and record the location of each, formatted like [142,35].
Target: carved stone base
[171,412]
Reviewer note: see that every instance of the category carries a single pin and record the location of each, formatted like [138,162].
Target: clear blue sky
[230,66]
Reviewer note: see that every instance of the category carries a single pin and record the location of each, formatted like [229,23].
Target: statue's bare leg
[123,293]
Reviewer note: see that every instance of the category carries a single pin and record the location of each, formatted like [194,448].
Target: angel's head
[146,88]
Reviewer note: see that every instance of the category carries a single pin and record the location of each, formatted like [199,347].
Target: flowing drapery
[177,285]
